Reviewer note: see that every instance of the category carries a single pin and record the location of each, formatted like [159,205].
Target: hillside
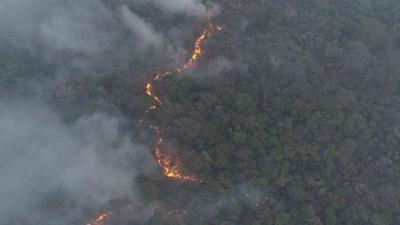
[287,115]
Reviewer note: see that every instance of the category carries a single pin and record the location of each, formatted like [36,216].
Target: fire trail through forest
[100,219]
[171,167]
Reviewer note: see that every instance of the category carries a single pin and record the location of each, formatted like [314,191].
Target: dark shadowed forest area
[288,112]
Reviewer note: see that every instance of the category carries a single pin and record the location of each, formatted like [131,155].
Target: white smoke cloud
[144,30]
[87,27]
[78,27]
[51,171]
[91,34]
[87,163]
[188,7]
[59,25]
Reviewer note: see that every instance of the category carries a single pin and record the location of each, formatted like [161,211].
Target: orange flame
[196,53]
[101,219]
[172,167]
[197,50]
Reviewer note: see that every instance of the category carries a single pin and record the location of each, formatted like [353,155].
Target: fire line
[172,166]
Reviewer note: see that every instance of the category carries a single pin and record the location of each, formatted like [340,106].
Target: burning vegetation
[101,218]
[172,166]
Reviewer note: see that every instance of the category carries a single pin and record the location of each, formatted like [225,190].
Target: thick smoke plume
[144,31]
[58,172]
[188,7]
[45,161]
[90,33]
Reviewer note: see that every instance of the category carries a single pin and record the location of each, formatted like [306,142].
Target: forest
[288,114]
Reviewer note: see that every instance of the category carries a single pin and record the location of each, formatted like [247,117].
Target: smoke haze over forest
[52,171]
[199,112]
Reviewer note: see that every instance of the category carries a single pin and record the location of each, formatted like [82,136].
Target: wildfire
[197,50]
[149,92]
[100,219]
[196,53]
[172,167]
[169,168]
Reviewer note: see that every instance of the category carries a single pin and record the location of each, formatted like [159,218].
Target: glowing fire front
[172,167]
[101,219]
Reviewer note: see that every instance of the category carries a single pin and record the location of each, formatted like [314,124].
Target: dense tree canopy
[296,102]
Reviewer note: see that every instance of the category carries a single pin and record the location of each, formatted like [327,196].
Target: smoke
[57,172]
[241,194]
[187,7]
[144,31]
[88,33]
[74,29]
[44,161]
[56,25]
